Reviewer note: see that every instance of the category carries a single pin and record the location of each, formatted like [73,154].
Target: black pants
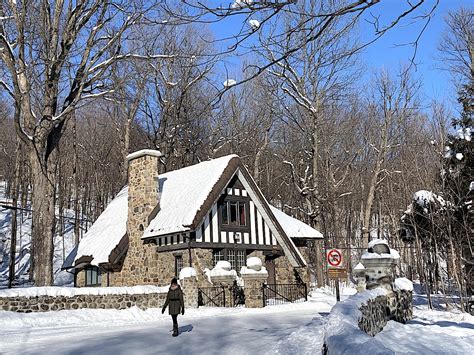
[175,320]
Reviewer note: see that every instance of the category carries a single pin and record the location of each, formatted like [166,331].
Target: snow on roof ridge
[139,153]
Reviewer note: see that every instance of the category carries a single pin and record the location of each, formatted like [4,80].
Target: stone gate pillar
[254,275]
[189,285]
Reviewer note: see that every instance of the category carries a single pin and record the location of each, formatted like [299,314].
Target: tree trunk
[15,191]
[369,203]
[43,227]
[77,206]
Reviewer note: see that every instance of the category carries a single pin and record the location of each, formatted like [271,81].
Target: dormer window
[233,213]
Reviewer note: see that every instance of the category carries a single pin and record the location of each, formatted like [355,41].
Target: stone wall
[396,305]
[253,293]
[190,292]
[202,259]
[57,303]
[375,315]
[403,311]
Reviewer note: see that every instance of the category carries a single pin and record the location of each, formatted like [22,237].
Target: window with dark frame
[242,214]
[231,257]
[236,257]
[240,259]
[234,213]
[218,255]
[178,264]
[92,276]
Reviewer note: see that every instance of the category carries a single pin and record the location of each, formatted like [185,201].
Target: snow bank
[187,272]
[74,291]
[431,332]
[343,335]
[402,283]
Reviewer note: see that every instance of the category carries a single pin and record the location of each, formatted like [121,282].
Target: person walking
[174,299]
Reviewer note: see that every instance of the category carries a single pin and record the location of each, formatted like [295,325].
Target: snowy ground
[285,329]
[431,332]
[203,331]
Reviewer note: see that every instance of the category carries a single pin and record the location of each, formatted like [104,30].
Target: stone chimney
[143,188]
[143,203]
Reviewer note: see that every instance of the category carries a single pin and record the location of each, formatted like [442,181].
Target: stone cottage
[195,216]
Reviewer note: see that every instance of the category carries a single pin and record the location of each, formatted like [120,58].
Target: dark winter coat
[175,301]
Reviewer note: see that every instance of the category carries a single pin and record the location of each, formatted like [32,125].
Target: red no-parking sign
[334,258]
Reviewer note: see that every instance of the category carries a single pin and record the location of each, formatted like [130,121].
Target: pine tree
[458,182]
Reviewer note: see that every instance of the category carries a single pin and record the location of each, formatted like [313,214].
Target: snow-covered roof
[295,228]
[105,234]
[182,193]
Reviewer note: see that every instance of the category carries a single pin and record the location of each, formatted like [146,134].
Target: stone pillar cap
[259,277]
[143,152]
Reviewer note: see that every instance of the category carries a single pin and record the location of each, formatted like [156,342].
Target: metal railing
[284,293]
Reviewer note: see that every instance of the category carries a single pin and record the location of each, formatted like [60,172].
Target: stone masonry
[253,292]
[57,303]
[140,265]
[189,286]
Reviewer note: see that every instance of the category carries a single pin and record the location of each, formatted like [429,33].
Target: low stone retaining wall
[58,303]
[43,299]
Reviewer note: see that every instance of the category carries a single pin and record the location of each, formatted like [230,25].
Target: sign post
[335,268]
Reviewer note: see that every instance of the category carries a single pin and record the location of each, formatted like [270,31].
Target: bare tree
[56,55]
[457,45]
[394,104]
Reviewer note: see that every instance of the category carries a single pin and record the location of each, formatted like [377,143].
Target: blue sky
[387,52]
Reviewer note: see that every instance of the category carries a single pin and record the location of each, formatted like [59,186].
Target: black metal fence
[211,296]
[284,293]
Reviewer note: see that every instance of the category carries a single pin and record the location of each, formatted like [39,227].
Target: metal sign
[334,273]
[334,258]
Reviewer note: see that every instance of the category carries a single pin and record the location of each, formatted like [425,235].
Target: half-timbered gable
[204,213]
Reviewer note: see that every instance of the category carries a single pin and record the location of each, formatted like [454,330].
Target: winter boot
[175,330]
